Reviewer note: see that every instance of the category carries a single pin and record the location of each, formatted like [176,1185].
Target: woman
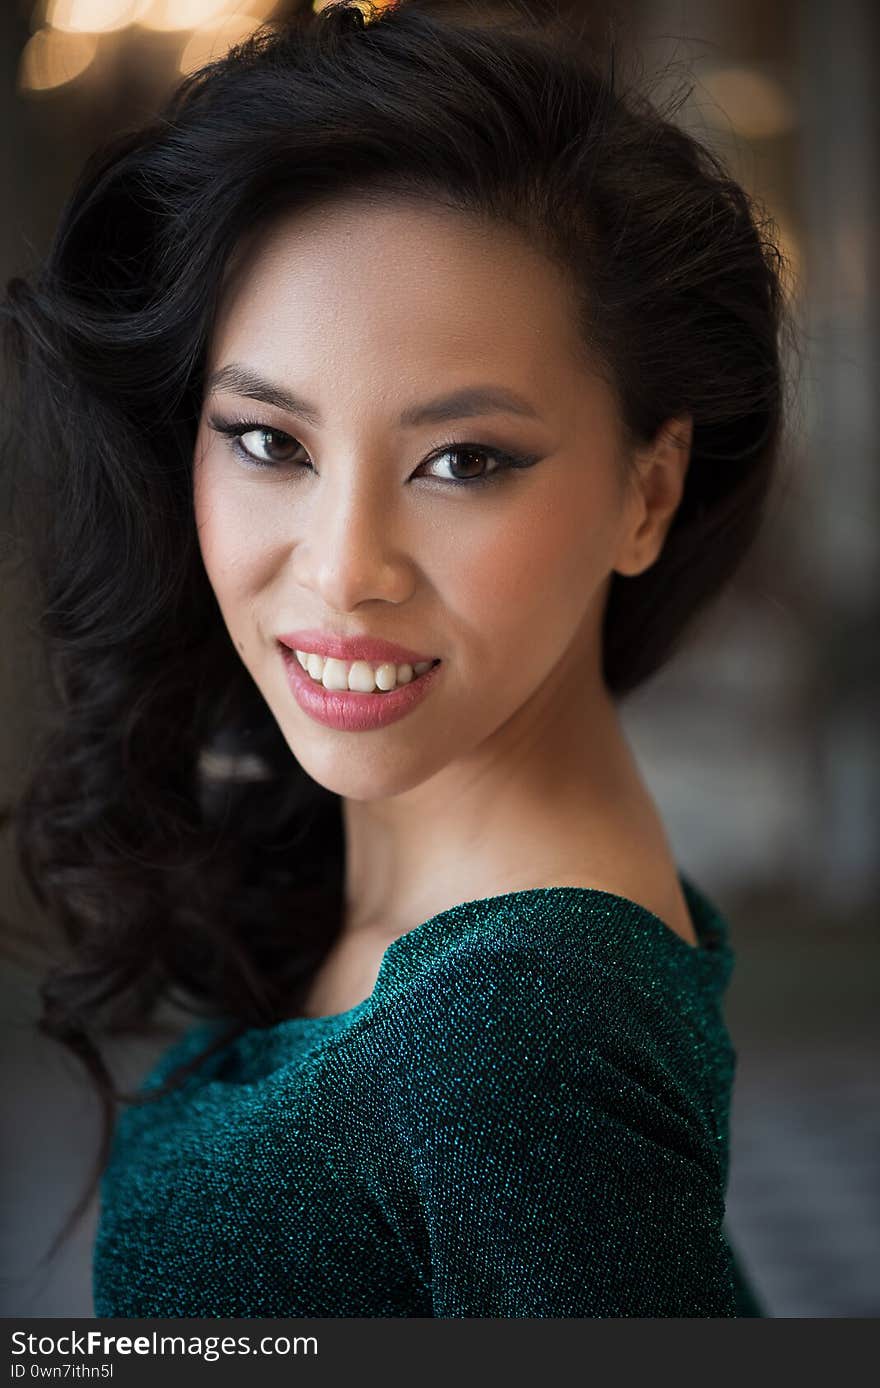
[389,408]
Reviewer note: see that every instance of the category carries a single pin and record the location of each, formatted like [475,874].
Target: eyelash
[235,429]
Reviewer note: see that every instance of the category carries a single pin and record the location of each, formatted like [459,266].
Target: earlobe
[660,470]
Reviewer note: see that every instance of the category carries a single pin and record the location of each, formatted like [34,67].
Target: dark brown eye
[474,461]
[469,463]
[269,445]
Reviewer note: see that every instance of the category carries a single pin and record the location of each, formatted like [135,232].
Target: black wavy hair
[164,878]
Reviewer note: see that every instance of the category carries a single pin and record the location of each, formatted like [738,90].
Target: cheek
[524,586]
[229,541]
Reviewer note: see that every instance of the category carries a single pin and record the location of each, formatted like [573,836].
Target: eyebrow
[468,402]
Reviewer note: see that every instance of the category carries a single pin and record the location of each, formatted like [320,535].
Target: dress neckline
[623,939]
[663,943]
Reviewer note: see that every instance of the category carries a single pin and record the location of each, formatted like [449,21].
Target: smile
[355,696]
[359,676]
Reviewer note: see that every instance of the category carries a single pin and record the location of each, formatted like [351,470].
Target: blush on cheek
[221,534]
[541,581]
[533,561]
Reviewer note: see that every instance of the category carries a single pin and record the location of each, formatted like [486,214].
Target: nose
[352,550]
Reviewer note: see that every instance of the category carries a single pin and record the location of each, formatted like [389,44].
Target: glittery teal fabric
[527,1117]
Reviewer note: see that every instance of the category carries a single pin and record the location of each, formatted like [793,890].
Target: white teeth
[359,676]
[335,674]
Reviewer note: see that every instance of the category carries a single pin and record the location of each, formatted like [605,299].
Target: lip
[346,710]
[350,648]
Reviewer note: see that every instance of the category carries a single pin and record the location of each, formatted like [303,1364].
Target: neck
[547,798]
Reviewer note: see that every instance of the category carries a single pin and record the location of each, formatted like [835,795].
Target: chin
[346,765]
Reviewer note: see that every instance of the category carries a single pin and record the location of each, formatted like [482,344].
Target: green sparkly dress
[527,1117]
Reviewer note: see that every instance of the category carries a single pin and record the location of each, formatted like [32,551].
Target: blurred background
[760,741]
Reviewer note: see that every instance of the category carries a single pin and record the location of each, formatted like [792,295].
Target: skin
[515,771]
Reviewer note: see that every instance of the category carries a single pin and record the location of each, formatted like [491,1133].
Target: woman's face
[356,524]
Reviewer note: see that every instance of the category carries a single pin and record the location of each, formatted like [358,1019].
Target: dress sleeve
[558,1154]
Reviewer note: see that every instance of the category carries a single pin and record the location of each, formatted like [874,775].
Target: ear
[655,489]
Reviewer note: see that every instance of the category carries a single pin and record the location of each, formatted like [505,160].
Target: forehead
[401,291]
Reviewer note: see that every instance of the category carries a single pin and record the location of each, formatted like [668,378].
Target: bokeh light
[211,42]
[755,104]
[52,58]
[93,16]
[194,14]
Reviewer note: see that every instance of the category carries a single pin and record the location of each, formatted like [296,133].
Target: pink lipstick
[348,710]
[350,648]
